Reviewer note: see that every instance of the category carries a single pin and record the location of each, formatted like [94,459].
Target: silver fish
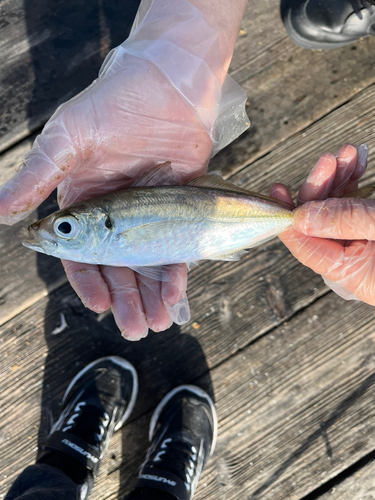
[145,227]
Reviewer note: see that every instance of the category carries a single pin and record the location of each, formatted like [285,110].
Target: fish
[147,227]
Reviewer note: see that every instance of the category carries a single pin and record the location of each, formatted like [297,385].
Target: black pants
[44,482]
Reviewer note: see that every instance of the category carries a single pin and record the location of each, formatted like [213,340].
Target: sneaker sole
[194,389]
[124,364]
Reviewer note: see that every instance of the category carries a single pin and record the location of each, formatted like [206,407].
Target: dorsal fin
[215,182]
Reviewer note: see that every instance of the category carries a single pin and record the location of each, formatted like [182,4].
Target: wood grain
[49,53]
[291,366]
[359,486]
[295,407]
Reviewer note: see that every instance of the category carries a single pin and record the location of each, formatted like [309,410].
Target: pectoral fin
[230,257]
[157,273]
[151,230]
[146,233]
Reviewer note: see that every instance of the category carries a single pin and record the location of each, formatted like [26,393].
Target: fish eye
[108,223]
[64,227]
[67,227]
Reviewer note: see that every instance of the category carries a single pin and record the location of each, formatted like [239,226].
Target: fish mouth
[39,239]
[33,245]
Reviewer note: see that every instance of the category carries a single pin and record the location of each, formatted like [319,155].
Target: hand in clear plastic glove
[136,115]
[334,236]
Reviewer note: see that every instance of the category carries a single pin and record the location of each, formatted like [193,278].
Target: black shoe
[97,402]
[326,24]
[183,432]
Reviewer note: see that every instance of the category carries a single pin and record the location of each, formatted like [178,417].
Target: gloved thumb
[337,218]
[44,167]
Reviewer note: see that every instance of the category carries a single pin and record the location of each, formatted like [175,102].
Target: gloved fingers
[155,312]
[325,228]
[350,187]
[175,284]
[280,192]
[180,312]
[330,258]
[345,173]
[319,182]
[355,277]
[174,294]
[88,283]
[362,155]
[333,176]
[340,290]
[319,254]
[348,270]
[347,157]
[44,167]
[337,218]
[126,301]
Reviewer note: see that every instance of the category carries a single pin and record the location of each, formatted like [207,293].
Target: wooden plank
[293,159]
[49,53]
[25,276]
[319,375]
[295,407]
[12,159]
[288,88]
[358,486]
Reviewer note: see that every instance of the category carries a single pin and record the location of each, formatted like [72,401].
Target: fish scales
[152,226]
[197,223]
[188,203]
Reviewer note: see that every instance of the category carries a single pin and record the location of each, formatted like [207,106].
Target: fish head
[71,234]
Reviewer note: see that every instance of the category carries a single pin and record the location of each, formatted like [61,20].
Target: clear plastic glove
[333,236]
[163,95]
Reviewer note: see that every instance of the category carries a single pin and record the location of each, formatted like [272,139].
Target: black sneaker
[183,432]
[97,402]
[326,24]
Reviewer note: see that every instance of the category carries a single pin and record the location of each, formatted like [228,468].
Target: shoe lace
[178,457]
[358,5]
[89,422]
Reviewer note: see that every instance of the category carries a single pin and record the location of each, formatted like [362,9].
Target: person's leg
[183,433]
[149,494]
[43,482]
[97,402]
[326,24]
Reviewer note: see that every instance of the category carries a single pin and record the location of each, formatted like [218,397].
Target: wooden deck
[289,363]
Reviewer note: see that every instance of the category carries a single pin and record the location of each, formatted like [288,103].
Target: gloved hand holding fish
[334,233]
[163,95]
[147,228]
